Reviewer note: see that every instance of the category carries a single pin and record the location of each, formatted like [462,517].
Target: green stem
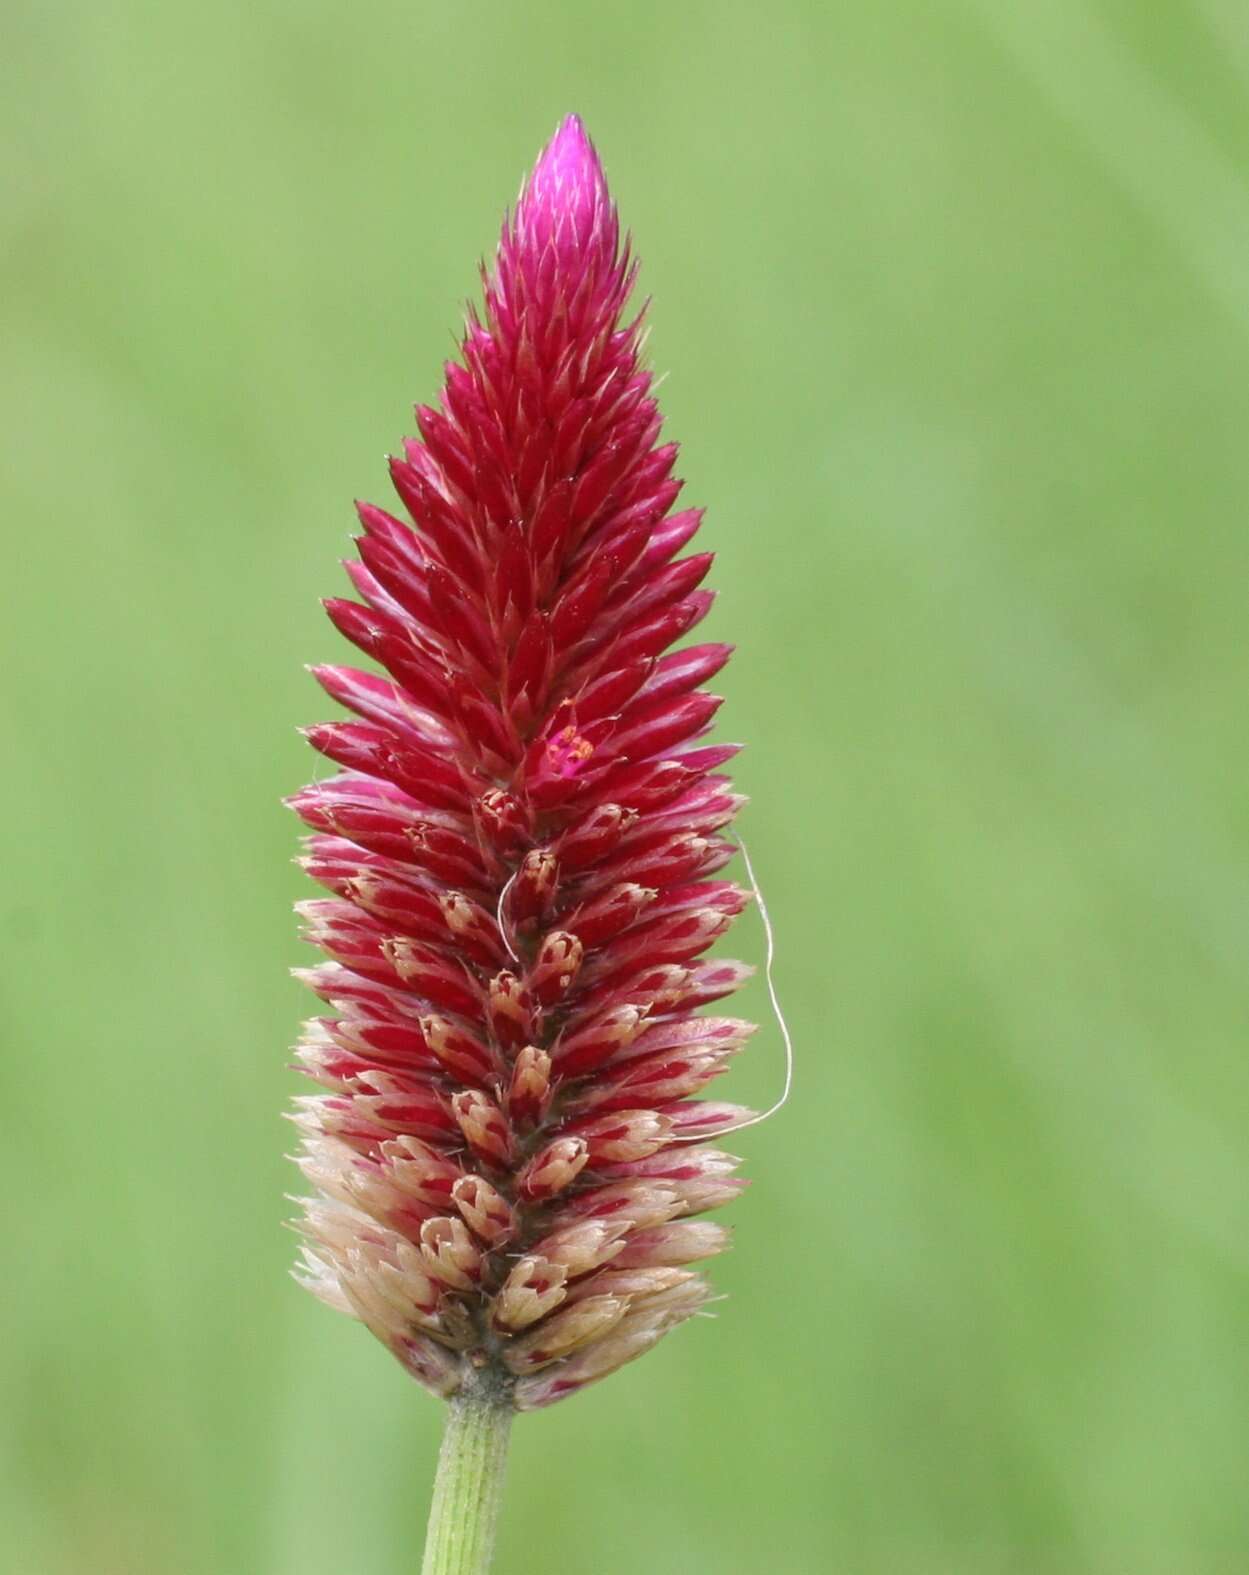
[469,1486]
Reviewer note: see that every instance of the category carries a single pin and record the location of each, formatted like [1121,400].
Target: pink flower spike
[566,196]
[521,846]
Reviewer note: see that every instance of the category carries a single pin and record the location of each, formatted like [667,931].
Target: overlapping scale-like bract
[520,848]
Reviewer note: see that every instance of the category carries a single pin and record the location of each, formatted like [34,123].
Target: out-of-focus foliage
[956,304]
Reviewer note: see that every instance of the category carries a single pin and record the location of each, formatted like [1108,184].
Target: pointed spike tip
[569,158]
[567,183]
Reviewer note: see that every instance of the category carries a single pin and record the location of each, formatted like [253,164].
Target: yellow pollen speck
[568,749]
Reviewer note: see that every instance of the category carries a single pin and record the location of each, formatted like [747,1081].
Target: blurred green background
[955,300]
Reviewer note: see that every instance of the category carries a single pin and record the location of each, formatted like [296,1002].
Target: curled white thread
[780,1103]
[502,921]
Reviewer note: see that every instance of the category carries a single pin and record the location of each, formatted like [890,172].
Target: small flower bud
[511,1015]
[501,820]
[712,1193]
[450,1252]
[530,1088]
[716,979]
[484,1209]
[531,1290]
[643,1203]
[625,1135]
[657,989]
[584,1246]
[444,854]
[462,1055]
[555,967]
[533,889]
[565,1331]
[483,1125]
[556,1167]
[666,1245]
[423,970]
[473,929]
[419,1171]
[632,1285]
[603,917]
[588,841]
[599,1040]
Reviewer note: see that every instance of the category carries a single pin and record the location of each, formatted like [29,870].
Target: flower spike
[520,848]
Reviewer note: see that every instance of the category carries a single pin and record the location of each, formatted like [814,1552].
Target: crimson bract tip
[565,198]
